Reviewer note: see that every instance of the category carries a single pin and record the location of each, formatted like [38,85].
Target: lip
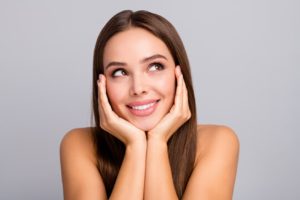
[140,103]
[143,112]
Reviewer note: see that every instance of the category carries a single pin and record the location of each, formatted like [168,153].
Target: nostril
[139,92]
[138,89]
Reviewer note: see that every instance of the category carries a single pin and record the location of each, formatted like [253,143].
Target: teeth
[143,107]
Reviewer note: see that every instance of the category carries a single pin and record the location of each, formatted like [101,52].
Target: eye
[118,72]
[155,67]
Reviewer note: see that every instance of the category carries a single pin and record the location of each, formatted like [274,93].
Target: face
[140,74]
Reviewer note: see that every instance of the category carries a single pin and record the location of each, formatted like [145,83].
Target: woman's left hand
[178,115]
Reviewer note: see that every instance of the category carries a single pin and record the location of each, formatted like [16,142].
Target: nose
[138,85]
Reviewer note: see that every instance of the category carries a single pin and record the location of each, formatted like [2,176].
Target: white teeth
[143,107]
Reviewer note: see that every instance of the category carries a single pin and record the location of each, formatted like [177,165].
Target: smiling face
[140,74]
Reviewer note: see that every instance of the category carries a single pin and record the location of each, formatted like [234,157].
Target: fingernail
[99,77]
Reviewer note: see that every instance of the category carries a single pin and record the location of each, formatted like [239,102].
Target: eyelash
[158,68]
[116,70]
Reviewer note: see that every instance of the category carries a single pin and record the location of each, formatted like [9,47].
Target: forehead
[133,45]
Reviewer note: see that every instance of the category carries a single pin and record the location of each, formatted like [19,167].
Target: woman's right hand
[112,123]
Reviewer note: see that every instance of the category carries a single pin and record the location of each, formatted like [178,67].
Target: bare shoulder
[215,168]
[78,133]
[80,176]
[79,139]
[212,138]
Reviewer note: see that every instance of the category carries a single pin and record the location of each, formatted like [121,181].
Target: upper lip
[140,103]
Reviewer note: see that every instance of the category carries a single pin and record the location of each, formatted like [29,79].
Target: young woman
[146,143]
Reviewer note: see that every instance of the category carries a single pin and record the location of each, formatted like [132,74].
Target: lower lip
[145,112]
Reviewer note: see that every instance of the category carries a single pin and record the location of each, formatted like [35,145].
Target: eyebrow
[121,64]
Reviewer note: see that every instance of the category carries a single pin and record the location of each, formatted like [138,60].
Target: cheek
[115,93]
[166,85]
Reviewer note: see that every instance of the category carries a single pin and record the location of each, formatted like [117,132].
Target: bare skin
[140,172]
[139,68]
[213,177]
[145,172]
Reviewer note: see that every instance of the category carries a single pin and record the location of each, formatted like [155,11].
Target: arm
[130,180]
[159,182]
[214,175]
[80,176]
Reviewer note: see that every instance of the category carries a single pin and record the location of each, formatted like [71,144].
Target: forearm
[158,180]
[130,180]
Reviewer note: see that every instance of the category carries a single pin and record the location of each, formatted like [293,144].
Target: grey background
[244,55]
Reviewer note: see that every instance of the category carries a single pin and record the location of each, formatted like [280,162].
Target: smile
[142,109]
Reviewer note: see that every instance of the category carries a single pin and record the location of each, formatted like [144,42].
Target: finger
[103,97]
[106,109]
[99,92]
[178,95]
[100,104]
[185,101]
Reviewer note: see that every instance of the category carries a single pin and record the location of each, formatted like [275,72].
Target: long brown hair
[182,145]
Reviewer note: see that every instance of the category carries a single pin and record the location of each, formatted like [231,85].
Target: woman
[146,143]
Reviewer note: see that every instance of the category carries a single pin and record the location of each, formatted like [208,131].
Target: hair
[182,144]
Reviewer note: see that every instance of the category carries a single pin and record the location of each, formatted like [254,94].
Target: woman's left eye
[155,67]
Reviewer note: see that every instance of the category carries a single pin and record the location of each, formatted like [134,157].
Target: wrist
[156,137]
[138,143]
[156,146]
[136,139]
[156,140]
[138,150]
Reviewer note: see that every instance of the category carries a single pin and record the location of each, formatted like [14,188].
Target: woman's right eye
[118,72]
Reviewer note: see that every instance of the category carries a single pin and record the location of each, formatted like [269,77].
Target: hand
[178,115]
[112,123]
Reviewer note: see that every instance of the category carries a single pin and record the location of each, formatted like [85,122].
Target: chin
[145,127]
